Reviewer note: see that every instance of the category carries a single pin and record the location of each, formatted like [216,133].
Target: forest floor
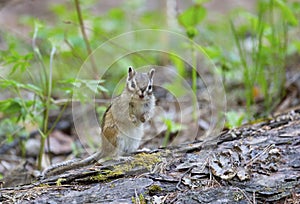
[256,163]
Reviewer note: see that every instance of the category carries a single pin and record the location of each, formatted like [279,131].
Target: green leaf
[191,32]
[200,1]
[179,64]
[73,84]
[9,128]
[38,24]
[102,88]
[234,119]
[288,14]
[19,62]
[172,126]
[33,88]
[213,52]
[116,13]
[5,83]
[91,84]
[192,16]
[17,106]
[11,106]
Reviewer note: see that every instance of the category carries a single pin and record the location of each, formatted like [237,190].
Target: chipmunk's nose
[142,93]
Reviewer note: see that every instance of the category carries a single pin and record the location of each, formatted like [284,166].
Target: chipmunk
[122,123]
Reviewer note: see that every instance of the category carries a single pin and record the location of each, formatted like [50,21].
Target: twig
[107,39]
[49,97]
[245,195]
[85,38]
[185,173]
[44,100]
[174,199]
[64,101]
[72,49]
[259,154]
[136,199]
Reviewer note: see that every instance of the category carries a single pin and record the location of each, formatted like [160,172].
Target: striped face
[140,84]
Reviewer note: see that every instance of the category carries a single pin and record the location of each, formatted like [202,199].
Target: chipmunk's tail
[71,164]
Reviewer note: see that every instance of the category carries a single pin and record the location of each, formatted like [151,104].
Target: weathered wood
[258,163]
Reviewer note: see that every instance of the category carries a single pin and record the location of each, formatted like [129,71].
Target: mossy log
[257,163]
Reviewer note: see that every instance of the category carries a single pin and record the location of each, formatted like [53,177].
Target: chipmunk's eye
[149,87]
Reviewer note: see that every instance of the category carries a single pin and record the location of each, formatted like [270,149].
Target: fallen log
[256,163]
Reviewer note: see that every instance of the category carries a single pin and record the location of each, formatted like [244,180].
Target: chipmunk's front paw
[144,117]
[133,119]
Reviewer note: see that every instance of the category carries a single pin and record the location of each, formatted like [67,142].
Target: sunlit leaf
[18,62]
[172,126]
[234,119]
[200,1]
[288,14]
[11,106]
[179,64]
[192,16]
[30,87]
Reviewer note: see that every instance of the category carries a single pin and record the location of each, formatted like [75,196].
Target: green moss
[99,177]
[146,160]
[154,189]
[142,159]
[124,167]
[59,181]
[140,199]
[44,185]
[106,175]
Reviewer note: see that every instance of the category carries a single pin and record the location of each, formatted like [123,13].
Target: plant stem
[194,81]
[247,80]
[58,117]
[166,138]
[85,38]
[48,99]
[43,98]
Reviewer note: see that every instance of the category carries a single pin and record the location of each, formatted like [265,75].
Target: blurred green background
[254,45]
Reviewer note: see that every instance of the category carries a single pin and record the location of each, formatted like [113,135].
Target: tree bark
[258,163]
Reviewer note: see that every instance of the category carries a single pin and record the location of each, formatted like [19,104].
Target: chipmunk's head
[140,84]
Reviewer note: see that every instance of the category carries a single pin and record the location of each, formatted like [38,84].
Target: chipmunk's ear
[131,73]
[151,74]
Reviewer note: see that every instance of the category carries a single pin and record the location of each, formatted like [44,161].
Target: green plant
[138,199]
[18,111]
[189,20]
[35,71]
[265,62]
[37,109]
[172,127]
[234,119]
